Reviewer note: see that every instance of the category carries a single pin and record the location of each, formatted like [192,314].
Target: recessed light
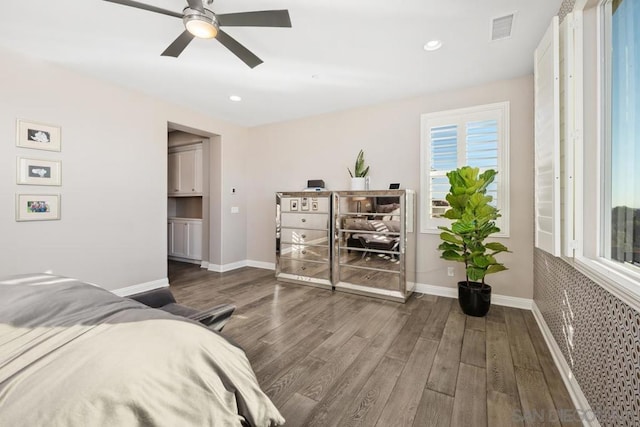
[432,45]
[235,98]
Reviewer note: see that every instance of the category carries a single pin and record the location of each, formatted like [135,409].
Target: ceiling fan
[202,23]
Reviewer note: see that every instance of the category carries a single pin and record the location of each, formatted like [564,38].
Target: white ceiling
[362,51]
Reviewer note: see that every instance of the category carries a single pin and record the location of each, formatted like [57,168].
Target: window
[621,139]
[475,136]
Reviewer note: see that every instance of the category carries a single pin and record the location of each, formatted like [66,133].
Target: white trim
[204,264]
[509,301]
[496,299]
[239,264]
[441,291]
[577,396]
[181,259]
[141,287]
[227,267]
[261,264]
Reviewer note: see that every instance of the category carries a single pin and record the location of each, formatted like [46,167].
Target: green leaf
[481,261]
[448,237]
[496,268]
[452,256]
[457,201]
[496,246]
[452,214]
[475,274]
[462,227]
[446,246]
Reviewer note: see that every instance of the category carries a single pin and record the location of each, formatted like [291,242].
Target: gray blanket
[73,354]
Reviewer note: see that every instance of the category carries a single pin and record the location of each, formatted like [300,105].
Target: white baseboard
[515,302]
[141,287]
[261,264]
[577,396]
[497,299]
[440,291]
[226,267]
[204,264]
[187,260]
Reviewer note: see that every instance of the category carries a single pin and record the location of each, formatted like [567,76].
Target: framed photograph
[314,205]
[38,172]
[304,204]
[37,207]
[38,136]
[293,205]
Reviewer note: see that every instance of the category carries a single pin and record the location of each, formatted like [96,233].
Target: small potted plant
[464,241]
[360,171]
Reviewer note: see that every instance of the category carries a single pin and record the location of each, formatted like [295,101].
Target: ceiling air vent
[501,27]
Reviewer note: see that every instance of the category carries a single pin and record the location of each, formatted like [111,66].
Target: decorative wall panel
[599,336]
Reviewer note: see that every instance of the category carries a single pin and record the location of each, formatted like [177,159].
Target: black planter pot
[473,300]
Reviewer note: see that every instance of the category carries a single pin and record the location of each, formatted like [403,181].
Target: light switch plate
[235,209]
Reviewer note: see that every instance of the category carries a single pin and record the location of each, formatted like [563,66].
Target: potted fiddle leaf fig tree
[360,171]
[464,241]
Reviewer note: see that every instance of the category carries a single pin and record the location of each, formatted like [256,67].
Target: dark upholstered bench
[215,317]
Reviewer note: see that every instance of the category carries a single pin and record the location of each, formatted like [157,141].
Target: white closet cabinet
[185,238]
[185,171]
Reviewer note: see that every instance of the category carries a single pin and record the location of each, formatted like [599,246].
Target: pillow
[387,208]
[379,226]
[391,217]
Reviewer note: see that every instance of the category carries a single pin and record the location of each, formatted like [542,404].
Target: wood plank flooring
[336,359]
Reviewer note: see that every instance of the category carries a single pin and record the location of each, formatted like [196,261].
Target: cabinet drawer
[313,221]
[316,237]
[314,270]
[303,252]
[311,204]
[385,280]
[361,257]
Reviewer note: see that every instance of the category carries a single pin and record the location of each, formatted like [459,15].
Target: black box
[315,183]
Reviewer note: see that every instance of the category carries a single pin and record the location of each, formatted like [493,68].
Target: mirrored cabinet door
[374,243]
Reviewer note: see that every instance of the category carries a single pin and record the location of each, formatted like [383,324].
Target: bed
[74,354]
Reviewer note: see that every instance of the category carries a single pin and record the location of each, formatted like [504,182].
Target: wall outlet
[450,271]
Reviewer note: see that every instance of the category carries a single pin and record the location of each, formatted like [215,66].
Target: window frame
[461,116]
[617,278]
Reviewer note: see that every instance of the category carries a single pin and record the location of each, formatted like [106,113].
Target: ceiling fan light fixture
[200,25]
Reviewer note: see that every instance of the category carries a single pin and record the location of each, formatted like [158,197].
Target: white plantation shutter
[476,136]
[482,150]
[570,124]
[547,141]
[444,157]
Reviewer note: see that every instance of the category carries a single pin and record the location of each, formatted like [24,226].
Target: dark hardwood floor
[335,359]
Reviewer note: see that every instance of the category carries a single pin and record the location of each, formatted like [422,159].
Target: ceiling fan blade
[238,50]
[196,4]
[146,7]
[263,18]
[178,45]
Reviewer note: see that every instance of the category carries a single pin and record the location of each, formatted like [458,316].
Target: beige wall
[114,166]
[283,156]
